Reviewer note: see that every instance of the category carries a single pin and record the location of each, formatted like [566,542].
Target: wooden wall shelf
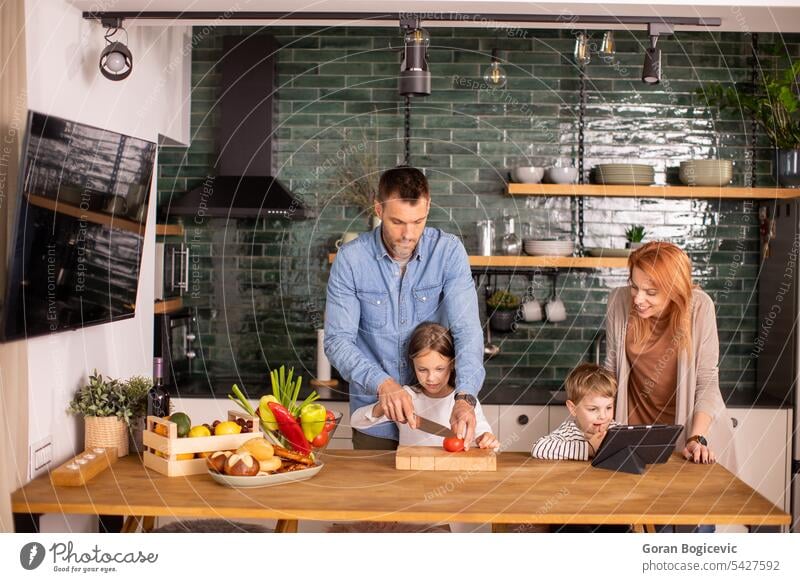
[527,262]
[169,230]
[107,220]
[168,305]
[689,192]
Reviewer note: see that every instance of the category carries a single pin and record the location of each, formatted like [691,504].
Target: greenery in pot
[775,107]
[503,301]
[635,233]
[107,397]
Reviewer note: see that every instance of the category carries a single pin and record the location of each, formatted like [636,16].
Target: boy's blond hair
[588,379]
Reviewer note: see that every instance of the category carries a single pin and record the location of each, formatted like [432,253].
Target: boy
[590,400]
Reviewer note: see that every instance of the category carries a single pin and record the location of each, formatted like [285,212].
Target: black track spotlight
[415,78]
[116,60]
[651,70]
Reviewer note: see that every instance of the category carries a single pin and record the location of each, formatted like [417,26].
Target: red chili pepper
[290,428]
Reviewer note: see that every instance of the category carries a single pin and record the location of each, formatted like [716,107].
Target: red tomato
[453,444]
[320,440]
[330,421]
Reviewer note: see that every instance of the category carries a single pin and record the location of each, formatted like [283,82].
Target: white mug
[532,310]
[555,310]
[346,238]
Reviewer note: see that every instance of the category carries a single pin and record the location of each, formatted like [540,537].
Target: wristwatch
[699,438]
[466,397]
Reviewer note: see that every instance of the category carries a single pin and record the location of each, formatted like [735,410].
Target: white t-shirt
[435,409]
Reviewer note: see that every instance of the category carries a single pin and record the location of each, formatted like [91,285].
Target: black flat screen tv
[75,249]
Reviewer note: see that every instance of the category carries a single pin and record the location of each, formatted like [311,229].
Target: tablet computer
[629,447]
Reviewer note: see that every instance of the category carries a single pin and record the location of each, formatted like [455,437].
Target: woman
[662,344]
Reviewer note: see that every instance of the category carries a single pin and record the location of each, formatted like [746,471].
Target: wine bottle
[158,395]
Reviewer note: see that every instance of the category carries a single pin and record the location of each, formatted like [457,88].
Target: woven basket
[106,432]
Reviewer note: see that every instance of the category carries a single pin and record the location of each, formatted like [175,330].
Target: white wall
[63,79]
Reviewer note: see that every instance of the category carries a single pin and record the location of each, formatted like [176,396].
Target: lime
[183,421]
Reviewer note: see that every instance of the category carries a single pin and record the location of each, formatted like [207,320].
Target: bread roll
[271,464]
[259,447]
[241,465]
[216,461]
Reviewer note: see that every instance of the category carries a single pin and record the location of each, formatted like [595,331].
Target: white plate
[266,480]
[602,252]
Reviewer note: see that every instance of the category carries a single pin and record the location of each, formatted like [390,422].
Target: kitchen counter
[505,394]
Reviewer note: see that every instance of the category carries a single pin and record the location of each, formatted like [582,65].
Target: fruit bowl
[333,425]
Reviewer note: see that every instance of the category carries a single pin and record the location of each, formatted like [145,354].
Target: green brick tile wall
[261,283]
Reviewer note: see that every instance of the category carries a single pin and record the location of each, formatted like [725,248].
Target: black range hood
[244,185]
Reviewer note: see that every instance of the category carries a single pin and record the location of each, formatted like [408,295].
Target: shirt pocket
[374,308]
[426,301]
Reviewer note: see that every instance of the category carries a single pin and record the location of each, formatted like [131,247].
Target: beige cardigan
[698,377]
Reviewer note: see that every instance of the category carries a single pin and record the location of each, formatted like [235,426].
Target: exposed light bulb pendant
[495,76]
[582,56]
[609,46]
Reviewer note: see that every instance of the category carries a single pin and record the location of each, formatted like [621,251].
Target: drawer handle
[734,422]
[522,419]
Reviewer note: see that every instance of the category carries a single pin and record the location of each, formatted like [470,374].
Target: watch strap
[467,397]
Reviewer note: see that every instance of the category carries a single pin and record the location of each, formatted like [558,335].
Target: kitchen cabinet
[520,426]
[763,448]
[557,415]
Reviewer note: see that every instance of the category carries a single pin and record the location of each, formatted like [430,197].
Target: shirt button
[378,302]
[424,298]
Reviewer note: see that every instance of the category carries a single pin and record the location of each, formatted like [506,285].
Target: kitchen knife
[434,428]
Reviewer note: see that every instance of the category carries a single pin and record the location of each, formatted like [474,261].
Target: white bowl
[527,174]
[562,175]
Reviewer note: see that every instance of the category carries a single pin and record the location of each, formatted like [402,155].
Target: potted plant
[504,311]
[775,105]
[634,235]
[108,407]
[357,182]
[137,388]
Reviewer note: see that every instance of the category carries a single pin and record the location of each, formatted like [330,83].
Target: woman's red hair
[670,270]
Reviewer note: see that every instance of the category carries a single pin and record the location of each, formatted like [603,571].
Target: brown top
[654,376]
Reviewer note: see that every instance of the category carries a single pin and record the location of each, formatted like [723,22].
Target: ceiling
[747,16]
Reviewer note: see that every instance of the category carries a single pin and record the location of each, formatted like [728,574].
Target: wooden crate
[170,446]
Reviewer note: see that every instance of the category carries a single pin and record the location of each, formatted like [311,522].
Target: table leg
[131,524]
[637,528]
[110,523]
[649,528]
[27,522]
[148,523]
[286,526]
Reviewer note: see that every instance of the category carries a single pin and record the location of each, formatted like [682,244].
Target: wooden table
[364,485]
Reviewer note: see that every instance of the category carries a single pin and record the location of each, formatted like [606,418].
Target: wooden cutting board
[437,459]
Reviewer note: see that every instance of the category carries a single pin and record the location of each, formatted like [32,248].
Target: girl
[432,354]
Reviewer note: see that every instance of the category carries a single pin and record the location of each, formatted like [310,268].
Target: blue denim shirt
[371,311]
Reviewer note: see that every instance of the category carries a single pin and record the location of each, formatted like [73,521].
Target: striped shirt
[565,442]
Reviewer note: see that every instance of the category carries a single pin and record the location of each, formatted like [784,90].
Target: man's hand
[396,403]
[463,422]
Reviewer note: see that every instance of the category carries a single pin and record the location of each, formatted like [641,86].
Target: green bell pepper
[312,420]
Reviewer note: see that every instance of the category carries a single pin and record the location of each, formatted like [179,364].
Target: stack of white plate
[706,172]
[551,248]
[624,174]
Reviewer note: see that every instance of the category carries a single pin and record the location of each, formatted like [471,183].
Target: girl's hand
[698,453]
[488,441]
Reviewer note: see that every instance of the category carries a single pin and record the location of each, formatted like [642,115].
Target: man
[382,285]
